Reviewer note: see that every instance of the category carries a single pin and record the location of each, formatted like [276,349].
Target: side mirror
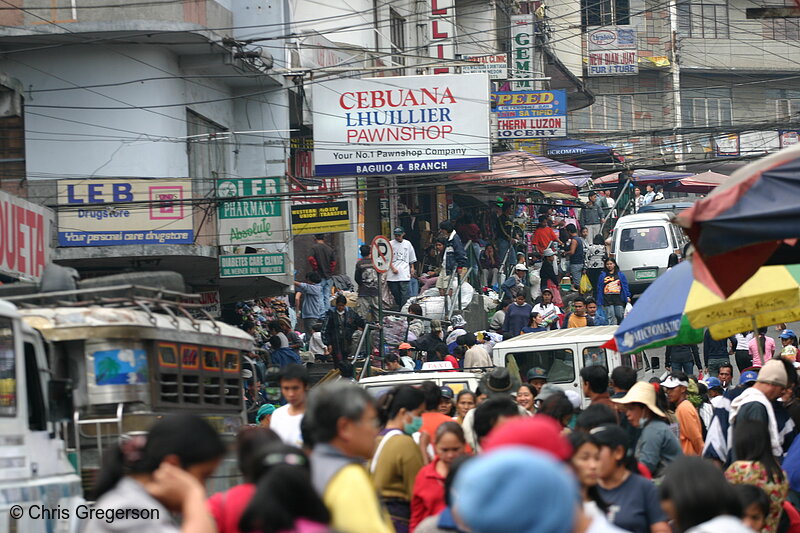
[60,399]
[655,363]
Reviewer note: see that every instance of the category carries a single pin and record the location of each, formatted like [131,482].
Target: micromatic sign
[645,335]
[376,126]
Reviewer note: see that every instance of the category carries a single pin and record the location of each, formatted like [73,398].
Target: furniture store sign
[113,212]
[611,51]
[530,114]
[401,125]
[25,231]
[250,211]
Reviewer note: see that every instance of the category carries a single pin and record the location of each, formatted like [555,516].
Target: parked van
[562,353]
[457,381]
[642,244]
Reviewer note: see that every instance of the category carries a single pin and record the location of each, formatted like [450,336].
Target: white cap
[520,266]
[672,382]
[549,252]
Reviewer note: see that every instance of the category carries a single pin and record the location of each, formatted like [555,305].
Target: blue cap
[787,334]
[398,230]
[493,492]
[748,377]
[713,383]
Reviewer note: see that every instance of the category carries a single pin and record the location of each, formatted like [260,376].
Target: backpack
[369,278]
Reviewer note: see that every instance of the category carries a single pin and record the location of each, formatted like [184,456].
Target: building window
[206,146]
[707,107]
[785,102]
[605,12]
[397,33]
[706,19]
[610,113]
[781,29]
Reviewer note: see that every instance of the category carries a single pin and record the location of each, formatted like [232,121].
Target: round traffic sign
[381,254]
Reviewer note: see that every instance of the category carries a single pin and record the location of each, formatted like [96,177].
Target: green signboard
[245,265]
[253,215]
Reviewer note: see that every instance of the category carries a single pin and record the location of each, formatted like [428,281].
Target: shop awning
[644,176]
[578,150]
[522,170]
[700,183]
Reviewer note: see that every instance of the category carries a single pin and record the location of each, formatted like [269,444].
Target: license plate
[641,275]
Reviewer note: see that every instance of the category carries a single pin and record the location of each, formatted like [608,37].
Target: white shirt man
[403,256]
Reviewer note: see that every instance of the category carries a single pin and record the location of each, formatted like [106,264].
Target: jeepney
[74,376]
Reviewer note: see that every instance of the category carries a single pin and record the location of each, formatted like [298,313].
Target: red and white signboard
[25,236]
[381,254]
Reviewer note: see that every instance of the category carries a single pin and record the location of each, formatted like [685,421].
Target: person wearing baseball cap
[537,377]
[789,342]
[547,310]
[548,270]
[748,377]
[691,429]
[657,445]
[755,403]
[401,269]
[515,285]
[715,392]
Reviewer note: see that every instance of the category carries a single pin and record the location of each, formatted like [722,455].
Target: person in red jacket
[227,507]
[428,495]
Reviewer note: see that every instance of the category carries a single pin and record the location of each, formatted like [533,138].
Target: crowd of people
[676,454]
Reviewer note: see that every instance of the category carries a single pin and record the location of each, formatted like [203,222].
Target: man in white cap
[515,284]
[755,402]
[547,309]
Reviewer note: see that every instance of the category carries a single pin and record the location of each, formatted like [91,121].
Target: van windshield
[557,364]
[642,239]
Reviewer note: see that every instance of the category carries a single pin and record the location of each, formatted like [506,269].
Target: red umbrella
[643,176]
[521,170]
[749,221]
[700,183]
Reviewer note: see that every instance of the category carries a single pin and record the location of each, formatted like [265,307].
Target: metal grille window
[397,33]
[605,12]
[787,109]
[711,111]
[781,29]
[607,113]
[707,107]
[207,150]
[705,20]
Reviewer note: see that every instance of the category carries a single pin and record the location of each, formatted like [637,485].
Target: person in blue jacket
[518,316]
[613,292]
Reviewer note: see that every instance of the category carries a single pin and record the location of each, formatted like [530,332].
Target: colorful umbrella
[700,183]
[742,223]
[771,296]
[658,318]
[676,308]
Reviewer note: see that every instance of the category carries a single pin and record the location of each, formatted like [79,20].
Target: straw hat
[643,393]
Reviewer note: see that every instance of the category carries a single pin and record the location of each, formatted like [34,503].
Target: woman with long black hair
[613,292]
[285,500]
[697,498]
[157,474]
[761,348]
[397,459]
[756,465]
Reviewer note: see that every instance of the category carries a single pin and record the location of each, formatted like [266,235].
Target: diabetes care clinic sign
[401,125]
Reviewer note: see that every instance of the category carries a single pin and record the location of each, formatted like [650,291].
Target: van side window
[8,370]
[595,355]
[37,412]
[633,360]
[559,364]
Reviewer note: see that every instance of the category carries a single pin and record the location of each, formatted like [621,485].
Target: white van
[562,353]
[456,380]
[642,244]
